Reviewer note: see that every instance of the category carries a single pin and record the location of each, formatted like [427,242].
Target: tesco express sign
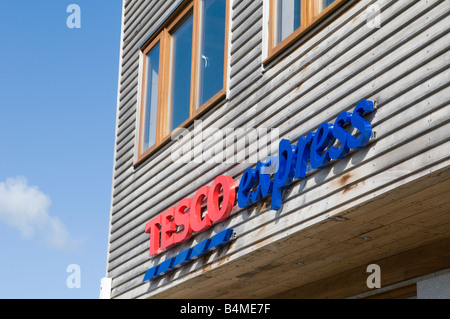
[179,223]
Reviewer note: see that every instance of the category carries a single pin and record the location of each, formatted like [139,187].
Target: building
[282,149]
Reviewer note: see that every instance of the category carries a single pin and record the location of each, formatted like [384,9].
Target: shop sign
[267,179]
[292,160]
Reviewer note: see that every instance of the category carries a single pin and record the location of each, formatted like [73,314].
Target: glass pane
[180,80]
[287,18]
[212,49]
[151,98]
[324,3]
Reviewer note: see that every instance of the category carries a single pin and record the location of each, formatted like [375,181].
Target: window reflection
[212,49]
[287,18]
[323,4]
[180,79]
[151,96]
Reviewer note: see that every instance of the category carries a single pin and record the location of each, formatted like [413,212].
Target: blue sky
[58,90]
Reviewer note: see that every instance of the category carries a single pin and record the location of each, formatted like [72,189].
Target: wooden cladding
[192,71]
[203,23]
[410,85]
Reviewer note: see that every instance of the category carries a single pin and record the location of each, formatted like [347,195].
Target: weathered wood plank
[269,113]
[281,269]
[405,241]
[374,118]
[156,159]
[403,65]
[420,105]
[289,225]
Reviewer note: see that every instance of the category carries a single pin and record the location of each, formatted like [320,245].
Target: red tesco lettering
[179,223]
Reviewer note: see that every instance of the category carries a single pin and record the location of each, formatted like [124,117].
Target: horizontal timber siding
[403,66]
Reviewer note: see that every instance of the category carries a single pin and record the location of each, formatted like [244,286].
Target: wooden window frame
[163,36]
[310,18]
[143,102]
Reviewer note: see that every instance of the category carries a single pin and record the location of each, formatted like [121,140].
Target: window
[287,18]
[149,112]
[290,19]
[180,74]
[184,68]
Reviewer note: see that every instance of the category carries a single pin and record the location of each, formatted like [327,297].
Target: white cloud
[26,208]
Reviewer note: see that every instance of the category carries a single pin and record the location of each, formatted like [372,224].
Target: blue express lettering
[271,177]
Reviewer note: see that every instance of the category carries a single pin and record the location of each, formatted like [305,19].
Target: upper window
[184,70]
[290,19]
